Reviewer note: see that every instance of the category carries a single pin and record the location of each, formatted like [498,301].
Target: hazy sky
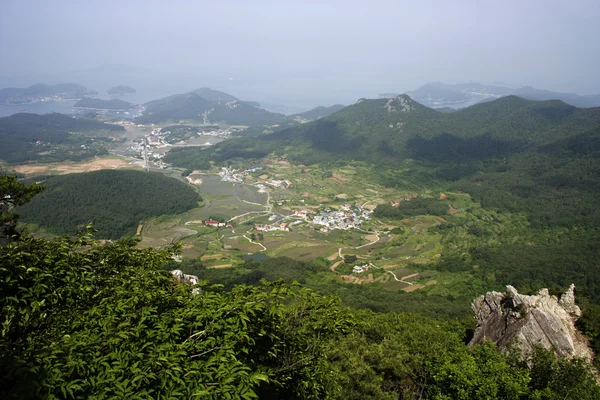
[317,51]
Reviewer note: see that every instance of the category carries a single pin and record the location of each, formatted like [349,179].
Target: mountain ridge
[204,102]
[438,94]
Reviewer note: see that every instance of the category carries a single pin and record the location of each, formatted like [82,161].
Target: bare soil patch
[371,238]
[221,266]
[340,178]
[211,257]
[71,168]
[414,287]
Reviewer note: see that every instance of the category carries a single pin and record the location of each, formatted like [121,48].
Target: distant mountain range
[439,95]
[40,90]
[205,103]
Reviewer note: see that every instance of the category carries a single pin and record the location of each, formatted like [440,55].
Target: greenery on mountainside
[114,201]
[511,154]
[120,89]
[112,104]
[51,137]
[218,106]
[13,193]
[418,206]
[290,121]
[319,112]
[81,320]
[514,157]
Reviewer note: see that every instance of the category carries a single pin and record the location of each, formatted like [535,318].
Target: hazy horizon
[300,53]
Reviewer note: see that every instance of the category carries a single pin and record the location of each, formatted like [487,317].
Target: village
[347,217]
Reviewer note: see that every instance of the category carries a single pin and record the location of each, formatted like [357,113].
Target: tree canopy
[115,201]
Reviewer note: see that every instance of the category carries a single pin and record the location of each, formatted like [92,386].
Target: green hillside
[218,106]
[290,121]
[113,104]
[319,112]
[51,137]
[87,321]
[513,154]
[114,201]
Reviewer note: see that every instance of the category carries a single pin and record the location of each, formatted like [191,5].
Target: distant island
[114,104]
[43,92]
[209,106]
[120,89]
[441,95]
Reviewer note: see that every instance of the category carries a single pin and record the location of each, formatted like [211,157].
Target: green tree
[13,194]
[86,321]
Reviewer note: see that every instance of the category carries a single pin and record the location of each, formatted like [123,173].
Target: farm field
[389,246]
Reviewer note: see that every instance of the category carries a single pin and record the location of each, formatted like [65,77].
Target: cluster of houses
[278,183]
[269,228]
[357,269]
[236,175]
[217,224]
[347,217]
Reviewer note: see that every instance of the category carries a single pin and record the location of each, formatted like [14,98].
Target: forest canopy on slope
[217,106]
[51,137]
[540,157]
[114,201]
[86,321]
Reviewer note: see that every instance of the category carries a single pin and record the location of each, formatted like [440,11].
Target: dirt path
[375,239]
[334,266]
[260,244]
[404,277]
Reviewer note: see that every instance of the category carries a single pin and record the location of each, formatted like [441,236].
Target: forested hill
[319,112]
[113,104]
[114,201]
[25,136]
[534,156]
[386,130]
[82,320]
[291,121]
[218,106]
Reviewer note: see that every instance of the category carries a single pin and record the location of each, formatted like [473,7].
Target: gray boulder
[511,319]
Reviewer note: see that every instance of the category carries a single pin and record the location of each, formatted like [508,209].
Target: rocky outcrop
[401,103]
[512,319]
[180,278]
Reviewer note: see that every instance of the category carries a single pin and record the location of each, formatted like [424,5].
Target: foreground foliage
[80,320]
